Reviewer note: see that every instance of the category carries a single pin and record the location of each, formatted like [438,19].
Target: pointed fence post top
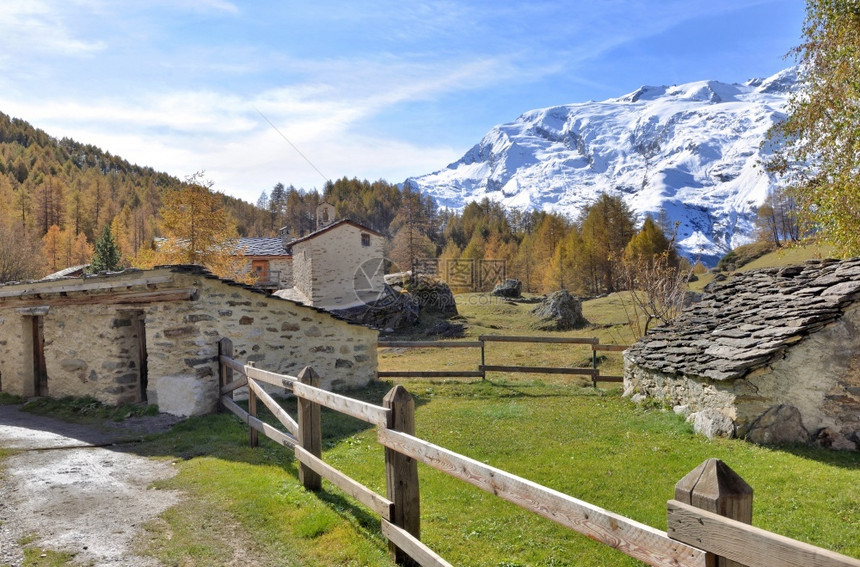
[309,376]
[397,395]
[402,406]
[715,487]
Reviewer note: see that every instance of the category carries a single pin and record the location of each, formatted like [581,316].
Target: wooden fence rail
[483,367]
[708,518]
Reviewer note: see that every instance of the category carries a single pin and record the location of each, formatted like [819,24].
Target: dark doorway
[139,321]
[40,369]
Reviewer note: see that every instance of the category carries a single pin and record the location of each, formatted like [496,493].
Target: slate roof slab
[750,320]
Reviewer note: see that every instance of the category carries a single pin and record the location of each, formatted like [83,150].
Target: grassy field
[484,314]
[246,506]
[588,443]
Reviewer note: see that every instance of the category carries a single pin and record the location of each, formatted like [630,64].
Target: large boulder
[779,425]
[559,312]
[433,295]
[508,288]
[712,423]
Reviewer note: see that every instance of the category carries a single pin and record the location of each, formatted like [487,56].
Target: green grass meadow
[590,444]
[245,505]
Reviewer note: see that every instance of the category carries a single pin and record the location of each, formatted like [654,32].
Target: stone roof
[750,320]
[329,227]
[262,246]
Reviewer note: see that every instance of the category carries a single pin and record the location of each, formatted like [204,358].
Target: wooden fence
[483,367]
[707,520]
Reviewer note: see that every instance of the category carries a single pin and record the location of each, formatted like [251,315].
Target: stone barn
[769,355]
[151,336]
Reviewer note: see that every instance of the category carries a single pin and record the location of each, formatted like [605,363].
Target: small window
[365,239]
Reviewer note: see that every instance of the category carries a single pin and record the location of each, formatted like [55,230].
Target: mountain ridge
[693,151]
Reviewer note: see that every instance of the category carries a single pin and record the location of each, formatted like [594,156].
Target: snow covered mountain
[691,150]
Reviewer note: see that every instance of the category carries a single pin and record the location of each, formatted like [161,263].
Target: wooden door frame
[40,367]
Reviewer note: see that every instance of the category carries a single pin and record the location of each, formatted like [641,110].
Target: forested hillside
[57,197]
[77,189]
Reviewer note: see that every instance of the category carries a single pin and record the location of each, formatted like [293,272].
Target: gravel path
[72,488]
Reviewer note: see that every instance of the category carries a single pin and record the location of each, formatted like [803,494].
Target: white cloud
[36,25]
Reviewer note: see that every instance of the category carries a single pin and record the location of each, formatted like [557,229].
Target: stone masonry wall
[284,267]
[102,362]
[16,358]
[820,377]
[93,349]
[276,334]
[337,255]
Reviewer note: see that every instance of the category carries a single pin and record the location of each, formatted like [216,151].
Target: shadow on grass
[849,460]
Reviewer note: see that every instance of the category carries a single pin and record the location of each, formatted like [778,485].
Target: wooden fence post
[310,430]
[225,373]
[715,487]
[253,438]
[401,472]
[483,360]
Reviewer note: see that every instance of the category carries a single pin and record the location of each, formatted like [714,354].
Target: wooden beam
[611,348]
[539,369]
[234,407]
[430,374]
[234,385]
[745,544]
[629,536]
[528,339]
[369,498]
[715,487]
[364,411]
[412,546]
[608,378]
[118,298]
[225,374]
[429,344]
[401,473]
[275,408]
[272,433]
[81,284]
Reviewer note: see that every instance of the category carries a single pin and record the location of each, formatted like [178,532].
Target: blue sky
[380,89]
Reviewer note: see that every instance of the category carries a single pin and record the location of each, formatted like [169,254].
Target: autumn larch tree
[199,230]
[818,145]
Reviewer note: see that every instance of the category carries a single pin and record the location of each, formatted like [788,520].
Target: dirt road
[76,488]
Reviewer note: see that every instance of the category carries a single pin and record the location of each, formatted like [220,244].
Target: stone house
[770,355]
[152,336]
[338,266]
[269,261]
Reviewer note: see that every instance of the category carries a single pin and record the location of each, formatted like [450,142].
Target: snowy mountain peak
[690,150]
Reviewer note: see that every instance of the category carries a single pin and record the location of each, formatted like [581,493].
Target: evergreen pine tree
[106,257]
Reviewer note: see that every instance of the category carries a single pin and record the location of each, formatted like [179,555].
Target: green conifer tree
[106,257]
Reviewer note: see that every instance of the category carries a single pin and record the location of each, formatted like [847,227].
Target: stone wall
[337,254]
[93,349]
[284,267]
[819,378]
